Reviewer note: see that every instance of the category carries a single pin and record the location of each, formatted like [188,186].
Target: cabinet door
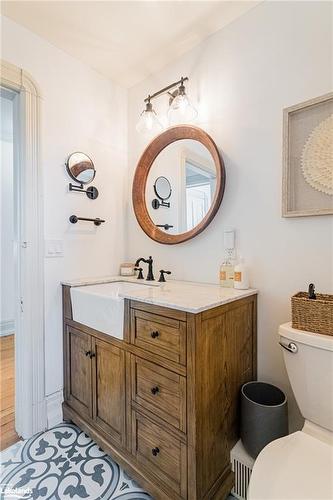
[78,388]
[109,396]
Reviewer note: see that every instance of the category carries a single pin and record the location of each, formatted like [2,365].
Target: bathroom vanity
[163,400]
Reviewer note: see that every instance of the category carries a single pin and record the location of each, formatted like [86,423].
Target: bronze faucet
[150,275]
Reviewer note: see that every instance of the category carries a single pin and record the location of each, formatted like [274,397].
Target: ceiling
[125,41]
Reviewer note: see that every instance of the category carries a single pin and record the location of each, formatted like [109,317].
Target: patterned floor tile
[63,463]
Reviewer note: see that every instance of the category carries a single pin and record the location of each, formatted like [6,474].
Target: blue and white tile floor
[63,463]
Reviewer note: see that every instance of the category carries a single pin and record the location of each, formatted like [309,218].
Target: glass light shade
[148,122]
[181,110]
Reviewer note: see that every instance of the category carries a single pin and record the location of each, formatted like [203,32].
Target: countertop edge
[99,281]
[155,301]
[193,310]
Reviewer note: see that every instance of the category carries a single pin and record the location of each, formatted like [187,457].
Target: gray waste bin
[264,415]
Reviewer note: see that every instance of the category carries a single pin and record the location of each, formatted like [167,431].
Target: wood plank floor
[8,434]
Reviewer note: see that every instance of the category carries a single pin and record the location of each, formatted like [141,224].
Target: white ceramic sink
[101,307]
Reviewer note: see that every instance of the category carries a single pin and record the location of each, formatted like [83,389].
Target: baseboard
[54,409]
[7,328]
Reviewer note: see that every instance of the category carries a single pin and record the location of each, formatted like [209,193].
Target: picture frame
[307,158]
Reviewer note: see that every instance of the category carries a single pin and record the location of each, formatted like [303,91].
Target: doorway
[8,434]
[21,278]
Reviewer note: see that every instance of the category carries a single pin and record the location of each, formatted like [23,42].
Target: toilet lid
[296,467]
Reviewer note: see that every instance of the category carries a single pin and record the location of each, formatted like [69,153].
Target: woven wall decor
[317,157]
[307,187]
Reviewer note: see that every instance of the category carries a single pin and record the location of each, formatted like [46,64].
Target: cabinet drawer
[159,334]
[161,391]
[160,452]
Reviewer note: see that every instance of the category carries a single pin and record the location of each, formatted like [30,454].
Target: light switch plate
[54,248]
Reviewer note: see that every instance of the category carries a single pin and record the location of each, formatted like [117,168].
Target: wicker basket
[312,315]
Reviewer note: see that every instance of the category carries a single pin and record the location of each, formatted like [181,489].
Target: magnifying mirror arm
[73,187]
[157,203]
[91,191]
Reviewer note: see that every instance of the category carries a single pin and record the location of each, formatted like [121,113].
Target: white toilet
[300,466]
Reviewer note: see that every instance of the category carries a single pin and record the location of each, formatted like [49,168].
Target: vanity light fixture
[149,122]
[180,108]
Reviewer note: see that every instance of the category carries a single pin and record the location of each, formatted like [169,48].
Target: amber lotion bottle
[227,267]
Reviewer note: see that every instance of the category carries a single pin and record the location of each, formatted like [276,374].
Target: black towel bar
[73,219]
[165,226]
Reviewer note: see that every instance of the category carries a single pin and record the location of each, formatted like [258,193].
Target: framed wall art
[308,158]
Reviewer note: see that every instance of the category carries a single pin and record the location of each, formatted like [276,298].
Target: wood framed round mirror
[188,157]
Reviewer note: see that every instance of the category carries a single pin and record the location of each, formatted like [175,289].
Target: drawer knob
[87,353]
[154,334]
[155,390]
[155,451]
[92,355]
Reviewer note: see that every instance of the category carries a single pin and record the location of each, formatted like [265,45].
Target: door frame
[30,401]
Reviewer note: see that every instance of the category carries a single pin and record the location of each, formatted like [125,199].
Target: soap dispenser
[227,267]
[227,270]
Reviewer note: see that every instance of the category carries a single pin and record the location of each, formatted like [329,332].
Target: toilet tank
[310,371]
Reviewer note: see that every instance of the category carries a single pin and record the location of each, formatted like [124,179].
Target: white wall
[6,219]
[241,78]
[80,110]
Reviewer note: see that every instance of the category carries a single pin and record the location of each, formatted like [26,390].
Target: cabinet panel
[78,389]
[161,391]
[160,452]
[223,364]
[109,389]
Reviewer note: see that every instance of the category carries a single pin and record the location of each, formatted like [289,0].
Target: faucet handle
[140,275]
[162,277]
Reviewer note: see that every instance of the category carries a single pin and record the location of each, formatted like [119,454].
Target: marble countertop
[183,295]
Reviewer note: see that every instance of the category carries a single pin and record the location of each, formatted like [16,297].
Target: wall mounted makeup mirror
[162,189]
[184,170]
[82,170]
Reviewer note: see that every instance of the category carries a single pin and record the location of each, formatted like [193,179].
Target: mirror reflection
[80,167]
[162,188]
[184,174]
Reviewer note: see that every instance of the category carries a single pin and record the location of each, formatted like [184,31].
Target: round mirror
[81,168]
[162,188]
[183,166]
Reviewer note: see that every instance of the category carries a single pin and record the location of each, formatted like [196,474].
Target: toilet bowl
[300,466]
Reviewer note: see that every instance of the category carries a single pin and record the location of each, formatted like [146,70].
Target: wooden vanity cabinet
[94,385]
[164,402]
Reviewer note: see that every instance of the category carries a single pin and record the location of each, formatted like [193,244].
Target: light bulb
[148,123]
[181,110]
